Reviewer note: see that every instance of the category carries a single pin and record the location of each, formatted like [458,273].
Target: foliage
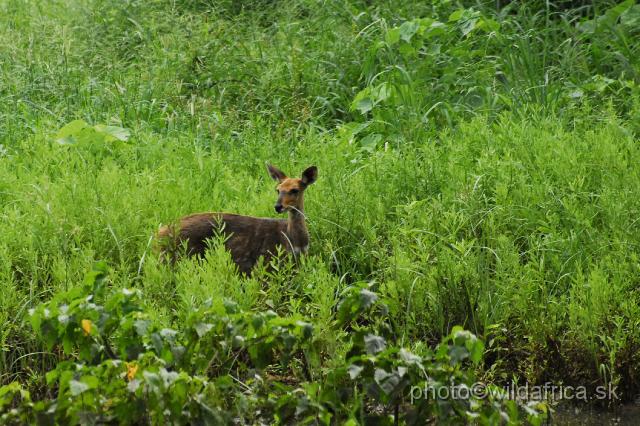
[427,72]
[477,163]
[221,366]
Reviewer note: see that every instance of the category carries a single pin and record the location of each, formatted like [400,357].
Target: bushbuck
[248,238]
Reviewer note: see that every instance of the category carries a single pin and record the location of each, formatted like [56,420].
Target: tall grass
[492,184]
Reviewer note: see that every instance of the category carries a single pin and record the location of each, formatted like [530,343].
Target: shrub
[224,365]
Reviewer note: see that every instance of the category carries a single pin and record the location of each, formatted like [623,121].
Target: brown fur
[248,238]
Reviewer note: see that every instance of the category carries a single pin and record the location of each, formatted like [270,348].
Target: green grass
[500,194]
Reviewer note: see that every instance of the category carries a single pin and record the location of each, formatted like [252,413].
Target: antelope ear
[275,173]
[310,175]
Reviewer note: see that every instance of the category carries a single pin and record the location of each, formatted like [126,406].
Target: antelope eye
[294,191]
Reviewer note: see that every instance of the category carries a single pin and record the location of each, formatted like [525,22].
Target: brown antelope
[248,238]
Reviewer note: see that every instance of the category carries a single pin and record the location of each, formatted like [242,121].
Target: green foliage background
[477,162]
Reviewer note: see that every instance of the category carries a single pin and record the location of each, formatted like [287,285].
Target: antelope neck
[297,230]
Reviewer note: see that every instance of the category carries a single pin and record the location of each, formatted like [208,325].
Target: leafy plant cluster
[437,70]
[424,70]
[482,171]
[225,365]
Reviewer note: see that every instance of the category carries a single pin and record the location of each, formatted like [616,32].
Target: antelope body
[248,238]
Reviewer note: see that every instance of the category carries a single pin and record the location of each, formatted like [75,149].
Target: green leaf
[76,387]
[468,26]
[631,17]
[374,344]
[616,11]
[95,278]
[409,357]
[68,134]
[487,25]
[92,382]
[307,330]
[202,328]
[407,50]
[608,19]
[367,298]
[362,101]
[476,350]
[370,142]
[51,376]
[363,105]
[393,36]
[381,92]
[169,334]
[7,396]
[35,317]
[230,306]
[458,353]
[351,129]
[388,382]
[141,326]
[408,29]
[257,322]
[119,133]
[168,377]
[354,370]
[67,344]
[237,342]
[435,29]
[153,381]
[455,16]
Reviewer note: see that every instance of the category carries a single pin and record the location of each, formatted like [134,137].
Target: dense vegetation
[477,168]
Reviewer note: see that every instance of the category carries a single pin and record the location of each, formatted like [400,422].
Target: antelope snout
[279,208]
